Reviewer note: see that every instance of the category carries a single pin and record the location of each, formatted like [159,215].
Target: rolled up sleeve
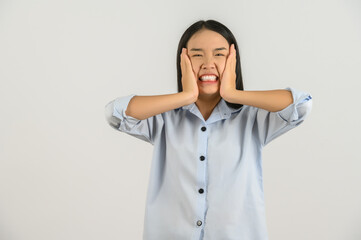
[146,129]
[271,125]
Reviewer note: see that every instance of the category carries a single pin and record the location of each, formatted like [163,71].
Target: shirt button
[203,128]
[201,190]
[199,222]
[202,158]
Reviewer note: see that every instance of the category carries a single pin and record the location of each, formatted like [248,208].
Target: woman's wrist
[190,97]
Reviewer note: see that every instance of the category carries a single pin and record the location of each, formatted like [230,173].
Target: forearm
[143,107]
[271,100]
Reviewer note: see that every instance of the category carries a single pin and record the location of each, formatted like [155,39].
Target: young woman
[206,173]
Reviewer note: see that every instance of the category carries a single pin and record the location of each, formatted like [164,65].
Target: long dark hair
[227,34]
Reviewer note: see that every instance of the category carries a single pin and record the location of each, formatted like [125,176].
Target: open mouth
[208,79]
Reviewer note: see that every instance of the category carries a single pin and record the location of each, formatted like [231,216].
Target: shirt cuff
[291,114]
[120,105]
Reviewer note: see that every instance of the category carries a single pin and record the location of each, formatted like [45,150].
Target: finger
[229,60]
[188,61]
[232,51]
[234,60]
[186,56]
[234,65]
[187,64]
[233,55]
[181,58]
[183,63]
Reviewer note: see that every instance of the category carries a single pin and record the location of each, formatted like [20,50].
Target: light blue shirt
[206,176]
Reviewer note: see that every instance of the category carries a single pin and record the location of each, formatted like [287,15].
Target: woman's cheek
[223,68]
[220,68]
[195,67]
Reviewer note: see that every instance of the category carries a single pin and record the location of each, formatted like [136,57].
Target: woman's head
[201,39]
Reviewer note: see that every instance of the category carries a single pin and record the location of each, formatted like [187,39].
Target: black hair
[227,34]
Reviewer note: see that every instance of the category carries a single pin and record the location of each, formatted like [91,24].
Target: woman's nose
[208,63]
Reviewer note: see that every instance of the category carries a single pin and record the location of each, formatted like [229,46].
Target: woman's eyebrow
[200,49]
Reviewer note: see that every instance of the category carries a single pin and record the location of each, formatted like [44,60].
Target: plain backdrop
[66,174]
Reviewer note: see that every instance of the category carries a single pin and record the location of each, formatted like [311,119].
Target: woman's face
[208,52]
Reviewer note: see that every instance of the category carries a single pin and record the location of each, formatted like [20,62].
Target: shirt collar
[222,109]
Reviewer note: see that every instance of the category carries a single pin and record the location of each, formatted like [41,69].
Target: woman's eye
[201,55]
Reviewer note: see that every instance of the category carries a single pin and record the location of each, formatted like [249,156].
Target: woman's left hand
[228,77]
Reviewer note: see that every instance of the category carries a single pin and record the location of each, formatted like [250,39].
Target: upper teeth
[209,77]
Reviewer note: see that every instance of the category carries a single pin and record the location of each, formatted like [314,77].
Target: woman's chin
[209,92]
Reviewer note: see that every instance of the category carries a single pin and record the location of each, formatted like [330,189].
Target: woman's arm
[271,100]
[141,118]
[269,125]
[143,107]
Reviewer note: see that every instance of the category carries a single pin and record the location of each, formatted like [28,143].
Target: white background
[66,174]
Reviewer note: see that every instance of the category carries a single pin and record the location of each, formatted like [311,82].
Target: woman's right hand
[189,79]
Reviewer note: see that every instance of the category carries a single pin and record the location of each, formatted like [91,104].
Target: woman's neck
[206,104]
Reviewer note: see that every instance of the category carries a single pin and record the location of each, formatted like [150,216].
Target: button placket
[202,168]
